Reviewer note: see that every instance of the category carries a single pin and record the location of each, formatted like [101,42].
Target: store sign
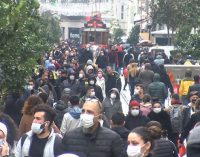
[74,33]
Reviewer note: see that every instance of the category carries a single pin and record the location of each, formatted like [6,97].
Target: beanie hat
[3,128]
[134,103]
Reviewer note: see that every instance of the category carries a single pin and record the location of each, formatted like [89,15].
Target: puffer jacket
[112,106]
[102,143]
[157,89]
[164,148]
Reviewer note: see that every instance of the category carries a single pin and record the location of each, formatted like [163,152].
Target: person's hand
[4,149]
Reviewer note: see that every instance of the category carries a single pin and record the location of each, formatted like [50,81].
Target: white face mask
[71,77]
[91,82]
[113,96]
[37,128]
[30,87]
[136,91]
[80,75]
[157,110]
[135,112]
[87,120]
[134,151]
[92,94]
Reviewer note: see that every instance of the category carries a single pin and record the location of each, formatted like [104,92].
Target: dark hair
[188,73]
[154,123]
[175,96]
[43,96]
[146,98]
[30,103]
[74,100]
[194,93]
[89,88]
[197,104]
[144,133]
[140,85]
[11,127]
[49,112]
[156,132]
[196,78]
[118,118]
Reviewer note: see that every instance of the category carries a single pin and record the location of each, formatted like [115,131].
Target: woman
[4,148]
[27,118]
[132,71]
[140,143]
[158,114]
[162,146]
[101,81]
[112,103]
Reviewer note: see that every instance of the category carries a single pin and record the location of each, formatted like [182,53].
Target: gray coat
[110,107]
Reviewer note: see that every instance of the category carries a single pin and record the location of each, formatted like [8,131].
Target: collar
[93,136]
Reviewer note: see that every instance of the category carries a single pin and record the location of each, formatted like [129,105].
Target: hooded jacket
[71,120]
[157,89]
[111,106]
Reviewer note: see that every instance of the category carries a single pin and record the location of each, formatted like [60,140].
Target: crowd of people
[71,106]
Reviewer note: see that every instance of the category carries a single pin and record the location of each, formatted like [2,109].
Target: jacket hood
[60,105]
[156,77]
[115,90]
[122,131]
[75,112]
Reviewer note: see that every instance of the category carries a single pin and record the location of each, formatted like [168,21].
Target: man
[195,86]
[157,89]
[41,141]
[113,80]
[91,140]
[138,93]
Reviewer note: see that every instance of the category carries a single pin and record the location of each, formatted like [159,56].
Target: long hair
[30,103]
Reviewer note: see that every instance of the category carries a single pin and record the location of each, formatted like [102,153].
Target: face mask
[30,87]
[37,128]
[194,100]
[80,75]
[71,77]
[136,91]
[135,112]
[157,110]
[113,96]
[99,75]
[92,94]
[87,120]
[1,142]
[91,82]
[134,151]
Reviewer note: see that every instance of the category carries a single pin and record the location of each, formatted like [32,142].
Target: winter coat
[193,143]
[164,119]
[195,118]
[157,89]
[71,120]
[73,85]
[110,106]
[145,77]
[102,143]
[132,122]
[185,117]
[122,131]
[101,83]
[113,81]
[184,86]
[51,148]
[164,148]
[60,109]
[102,62]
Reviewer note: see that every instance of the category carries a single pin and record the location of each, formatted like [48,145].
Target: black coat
[164,148]
[164,119]
[132,122]
[103,143]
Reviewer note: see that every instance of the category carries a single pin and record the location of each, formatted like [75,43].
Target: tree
[134,35]
[25,34]
[118,33]
[166,12]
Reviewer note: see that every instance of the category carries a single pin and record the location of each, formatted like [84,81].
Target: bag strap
[23,139]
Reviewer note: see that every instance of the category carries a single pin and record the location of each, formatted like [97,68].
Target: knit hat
[134,103]
[3,128]
[67,91]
